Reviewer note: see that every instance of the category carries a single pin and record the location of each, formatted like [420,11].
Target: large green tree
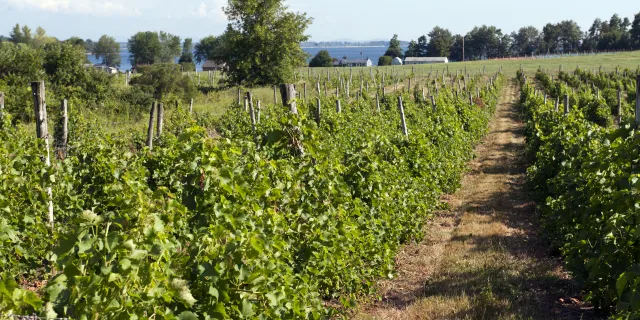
[321,59]
[486,42]
[570,35]
[261,44]
[551,37]
[592,36]
[170,47]
[455,54]
[165,82]
[394,49]
[385,61]
[417,49]
[108,50]
[21,35]
[635,31]
[144,47]
[526,41]
[205,49]
[41,38]
[412,49]
[187,51]
[75,41]
[89,45]
[423,46]
[440,42]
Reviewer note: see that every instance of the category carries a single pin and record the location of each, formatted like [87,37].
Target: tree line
[251,55]
[489,42]
[254,57]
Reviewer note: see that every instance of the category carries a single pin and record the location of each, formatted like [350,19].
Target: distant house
[396,61]
[425,60]
[356,63]
[211,65]
[105,68]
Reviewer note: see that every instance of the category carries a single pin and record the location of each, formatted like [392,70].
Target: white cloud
[96,7]
[201,11]
[211,9]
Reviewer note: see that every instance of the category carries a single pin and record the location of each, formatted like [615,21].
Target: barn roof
[354,61]
[212,64]
[425,59]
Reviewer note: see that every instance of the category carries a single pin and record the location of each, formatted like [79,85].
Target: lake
[372,53]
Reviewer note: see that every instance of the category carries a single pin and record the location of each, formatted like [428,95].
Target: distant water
[372,53]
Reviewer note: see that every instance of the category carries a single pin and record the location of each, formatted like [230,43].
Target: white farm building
[396,61]
[425,60]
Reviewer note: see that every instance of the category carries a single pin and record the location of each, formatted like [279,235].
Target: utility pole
[463,48]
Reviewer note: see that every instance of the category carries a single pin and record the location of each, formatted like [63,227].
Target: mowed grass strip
[483,258]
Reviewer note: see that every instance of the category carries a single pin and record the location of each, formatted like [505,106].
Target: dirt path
[483,259]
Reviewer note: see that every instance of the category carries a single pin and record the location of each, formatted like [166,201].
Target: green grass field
[218,101]
[509,67]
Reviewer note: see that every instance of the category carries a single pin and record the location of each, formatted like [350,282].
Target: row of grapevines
[586,176]
[218,221]
[595,93]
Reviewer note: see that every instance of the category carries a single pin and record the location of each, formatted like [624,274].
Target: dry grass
[483,259]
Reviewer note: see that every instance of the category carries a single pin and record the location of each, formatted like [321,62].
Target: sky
[356,20]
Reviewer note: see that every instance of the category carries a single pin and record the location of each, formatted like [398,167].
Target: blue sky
[333,19]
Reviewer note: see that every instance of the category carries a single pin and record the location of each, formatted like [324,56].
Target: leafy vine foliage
[585,172]
[219,222]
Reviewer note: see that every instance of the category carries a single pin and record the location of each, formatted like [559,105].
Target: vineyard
[585,173]
[286,210]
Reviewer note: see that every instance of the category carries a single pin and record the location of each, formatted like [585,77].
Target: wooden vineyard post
[377,102]
[566,104]
[318,88]
[318,106]
[61,144]
[305,91]
[545,98]
[338,106]
[404,122]
[288,93]
[252,113]
[239,98]
[42,132]
[259,109]
[433,103]
[619,110]
[638,100]
[1,107]
[150,128]
[470,98]
[191,106]
[557,106]
[160,119]
[275,96]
